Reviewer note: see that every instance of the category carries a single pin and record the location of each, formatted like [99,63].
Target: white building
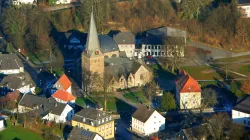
[82,134]
[60,113]
[153,43]
[241,112]
[10,64]
[244,8]
[147,121]
[20,2]
[126,43]
[63,83]
[1,124]
[13,82]
[188,92]
[64,97]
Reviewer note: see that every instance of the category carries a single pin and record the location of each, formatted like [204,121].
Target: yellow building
[95,121]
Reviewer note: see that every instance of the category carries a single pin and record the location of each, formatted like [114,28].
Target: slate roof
[243,105]
[124,38]
[10,61]
[142,113]
[107,44]
[159,40]
[244,2]
[120,66]
[13,82]
[92,115]
[30,101]
[81,134]
[65,82]
[58,109]
[166,31]
[186,83]
[63,95]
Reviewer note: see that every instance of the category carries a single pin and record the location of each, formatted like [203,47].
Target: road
[30,68]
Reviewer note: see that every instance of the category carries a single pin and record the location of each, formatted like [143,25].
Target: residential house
[11,83]
[154,41]
[241,112]
[82,134]
[188,92]
[74,40]
[30,102]
[49,109]
[114,69]
[95,121]
[63,83]
[62,96]
[11,97]
[146,121]
[60,113]
[10,64]
[244,8]
[1,124]
[126,43]
[193,133]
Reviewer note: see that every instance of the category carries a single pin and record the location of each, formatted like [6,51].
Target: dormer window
[83,119]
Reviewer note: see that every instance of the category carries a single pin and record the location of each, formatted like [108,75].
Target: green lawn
[207,73]
[38,58]
[161,72]
[113,104]
[18,133]
[233,59]
[136,97]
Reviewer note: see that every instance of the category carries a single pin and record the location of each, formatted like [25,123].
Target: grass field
[207,73]
[18,133]
[113,104]
[136,97]
[234,59]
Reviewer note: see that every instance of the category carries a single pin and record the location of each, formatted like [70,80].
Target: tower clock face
[96,52]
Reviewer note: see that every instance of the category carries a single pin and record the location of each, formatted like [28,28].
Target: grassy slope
[132,96]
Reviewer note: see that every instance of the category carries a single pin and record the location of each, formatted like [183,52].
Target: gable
[74,40]
[158,117]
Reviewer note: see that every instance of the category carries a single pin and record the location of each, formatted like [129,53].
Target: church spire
[93,45]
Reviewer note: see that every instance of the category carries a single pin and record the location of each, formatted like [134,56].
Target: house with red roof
[188,91]
[63,96]
[63,83]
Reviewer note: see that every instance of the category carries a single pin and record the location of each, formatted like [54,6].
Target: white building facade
[245,10]
[241,118]
[66,115]
[154,124]
[129,49]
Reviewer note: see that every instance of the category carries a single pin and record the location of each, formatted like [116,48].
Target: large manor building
[102,57]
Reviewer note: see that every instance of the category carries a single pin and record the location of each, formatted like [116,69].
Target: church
[117,72]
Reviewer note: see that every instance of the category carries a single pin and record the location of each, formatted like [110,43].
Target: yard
[234,59]
[208,73]
[113,104]
[136,97]
[18,133]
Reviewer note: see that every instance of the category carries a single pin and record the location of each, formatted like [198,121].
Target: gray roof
[81,134]
[93,45]
[166,31]
[143,113]
[92,116]
[30,101]
[107,44]
[10,61]
[13,82]
[58,109]
[244,2]
[115,67]
[243,105]
[124,38]
[159,40]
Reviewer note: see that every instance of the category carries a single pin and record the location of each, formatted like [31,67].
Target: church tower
[92,57]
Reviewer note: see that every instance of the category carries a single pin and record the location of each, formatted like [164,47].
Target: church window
[141,77]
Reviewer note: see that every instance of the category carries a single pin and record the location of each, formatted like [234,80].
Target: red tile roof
[12,96]
[63,95]
[187,83]
[65,82]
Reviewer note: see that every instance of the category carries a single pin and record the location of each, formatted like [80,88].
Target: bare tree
[150,90]
[174,50]
[91,81]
